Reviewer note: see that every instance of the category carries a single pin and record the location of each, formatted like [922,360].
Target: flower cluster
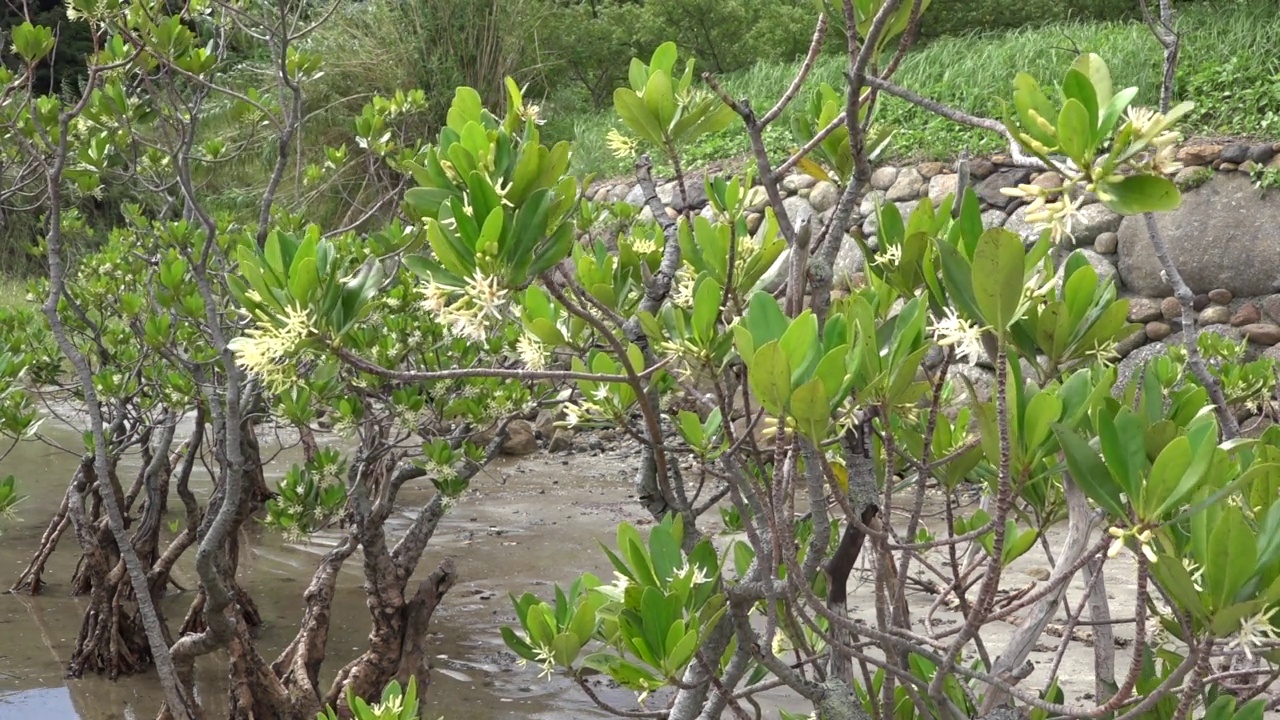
[264,351]
[965,336]
[1058,215]
[1142,536]
[620,145]
[482,303]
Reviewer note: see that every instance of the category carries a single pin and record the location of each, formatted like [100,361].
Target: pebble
[1221,296]
[1106,243]
[1157,331]
[929,169]
[1144,310]
[1215,315]
[1201,302]
[883,178]
[799,181]
[1170,308]
[1262,333]
[1248,314]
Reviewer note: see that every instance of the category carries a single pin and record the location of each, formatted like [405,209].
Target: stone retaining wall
[1225,238]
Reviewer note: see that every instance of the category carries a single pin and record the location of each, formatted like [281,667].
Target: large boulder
[1225,235]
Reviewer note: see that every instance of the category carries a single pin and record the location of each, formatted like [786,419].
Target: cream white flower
[1143,537]
[532,352]
[1142,119]
[264,351]
[1255,631]
[889,256]
[955,331]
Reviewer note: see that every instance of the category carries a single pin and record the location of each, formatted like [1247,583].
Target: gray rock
[848,263]
[824,196]
[1144,310]
[1017,223]
[1106,242]
[1271,307]
[798,181]
[560,440]
[929,169]
[1103,267]
[1223,236]
[989,189]
[1092,221]
[883,178]
[981,168]
[940,186]
[982,379]
[1131,343]
[993,218]
[619,192]
[871,201]
[635,196]
[1235,153]
[906,187]
[1262,154]
[798,210]
[1132,365]
[671,196]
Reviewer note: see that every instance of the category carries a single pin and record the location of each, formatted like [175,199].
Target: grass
[13,293]
[1228,66]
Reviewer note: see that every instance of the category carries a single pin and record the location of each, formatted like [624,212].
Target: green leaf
[1269,537]
[800,342]
[635,113]
[1114,109]
[770,373]
[659,98]
[1234,557]
[1089,472]
[1139,194]
[1162,482]
[1075,131]
[1095,69]
[811,408]
[998,271]
[664,58]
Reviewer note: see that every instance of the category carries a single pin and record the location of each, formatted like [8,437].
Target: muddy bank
[525,524]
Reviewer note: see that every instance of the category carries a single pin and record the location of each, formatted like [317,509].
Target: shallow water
[525,525]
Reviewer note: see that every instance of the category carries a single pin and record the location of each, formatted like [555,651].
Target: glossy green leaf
[1139,194]
[997,277]
[1089,472]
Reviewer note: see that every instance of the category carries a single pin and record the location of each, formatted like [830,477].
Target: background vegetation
[567,52]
